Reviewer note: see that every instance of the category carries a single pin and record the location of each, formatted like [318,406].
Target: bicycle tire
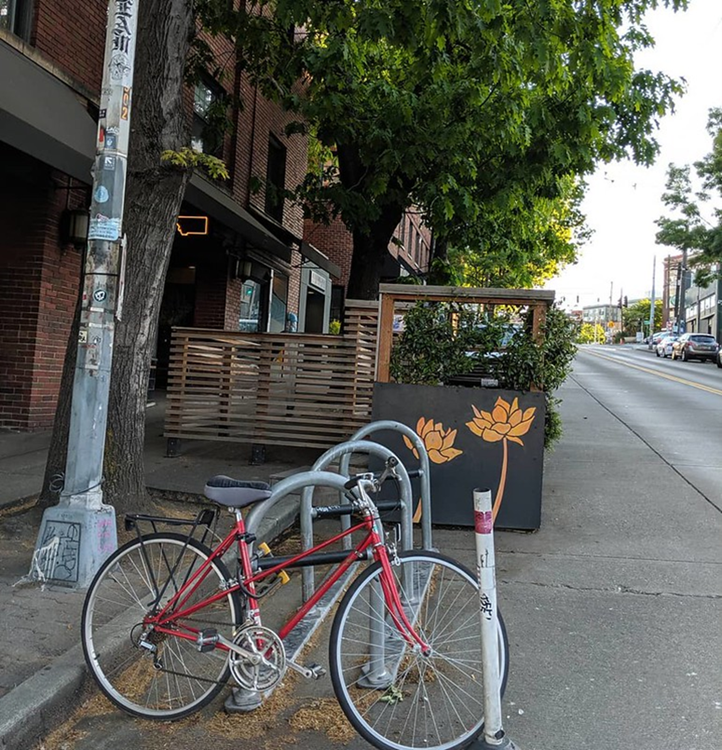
[119,597]
[432,702]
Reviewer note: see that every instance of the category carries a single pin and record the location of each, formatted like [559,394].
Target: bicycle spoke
[432,701]
[170,678]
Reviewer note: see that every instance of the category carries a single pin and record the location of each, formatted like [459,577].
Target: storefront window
[250,318]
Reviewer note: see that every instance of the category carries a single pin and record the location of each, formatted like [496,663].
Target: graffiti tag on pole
[120,63]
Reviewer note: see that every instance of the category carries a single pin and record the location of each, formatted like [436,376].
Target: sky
[624,200]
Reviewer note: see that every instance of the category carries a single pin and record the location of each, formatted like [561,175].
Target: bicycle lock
[493,737]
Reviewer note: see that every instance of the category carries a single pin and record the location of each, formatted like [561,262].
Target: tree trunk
[369,251]
[370,246]
[440,273]
[58,450]
[153,198]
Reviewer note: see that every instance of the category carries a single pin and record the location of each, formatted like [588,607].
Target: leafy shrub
[444,340]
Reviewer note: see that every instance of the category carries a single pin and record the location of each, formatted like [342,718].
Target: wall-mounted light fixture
[245,270]
[74,225]
[241,268]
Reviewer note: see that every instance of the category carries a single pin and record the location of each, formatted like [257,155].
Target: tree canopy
[688,229]
[458,107]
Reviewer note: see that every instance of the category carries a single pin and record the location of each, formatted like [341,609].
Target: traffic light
[626,303]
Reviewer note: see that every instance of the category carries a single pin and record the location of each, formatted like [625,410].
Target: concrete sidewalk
[613,608]
[41,663]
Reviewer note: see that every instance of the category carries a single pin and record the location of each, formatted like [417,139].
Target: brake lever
[389,471]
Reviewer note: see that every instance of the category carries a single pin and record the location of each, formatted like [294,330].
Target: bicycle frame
[175,610]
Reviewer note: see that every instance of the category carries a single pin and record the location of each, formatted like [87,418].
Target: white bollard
[493,736]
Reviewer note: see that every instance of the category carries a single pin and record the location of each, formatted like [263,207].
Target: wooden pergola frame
[389,294]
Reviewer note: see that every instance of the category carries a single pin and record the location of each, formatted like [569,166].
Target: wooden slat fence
[274,389]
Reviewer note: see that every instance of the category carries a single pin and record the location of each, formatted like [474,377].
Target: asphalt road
[675,407]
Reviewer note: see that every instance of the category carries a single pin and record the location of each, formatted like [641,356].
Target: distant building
[606,315]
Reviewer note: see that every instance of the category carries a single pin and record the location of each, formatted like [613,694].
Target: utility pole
[651,306]
[79,533]
[682,315]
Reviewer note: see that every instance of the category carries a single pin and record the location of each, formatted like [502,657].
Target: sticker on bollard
[493,734]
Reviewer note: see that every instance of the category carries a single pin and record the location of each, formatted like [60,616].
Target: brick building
[238,262]
[409,252]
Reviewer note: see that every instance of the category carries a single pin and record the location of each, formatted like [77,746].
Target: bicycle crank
[264,671]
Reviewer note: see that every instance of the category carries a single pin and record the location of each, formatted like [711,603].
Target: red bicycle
[165,624]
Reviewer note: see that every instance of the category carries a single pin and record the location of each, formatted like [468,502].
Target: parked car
[664,347]
[695,346]
[653,340]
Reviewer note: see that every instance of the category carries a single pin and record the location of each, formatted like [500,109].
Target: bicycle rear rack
[204,518]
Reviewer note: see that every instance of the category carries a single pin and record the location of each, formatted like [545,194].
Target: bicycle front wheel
[394,696]
[146,673]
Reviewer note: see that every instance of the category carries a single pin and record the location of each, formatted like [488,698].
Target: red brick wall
[71,33]
[211,297]
[336,242]
[38,290]
[256,122]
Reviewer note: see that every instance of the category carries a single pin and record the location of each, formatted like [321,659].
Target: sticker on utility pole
[104,228]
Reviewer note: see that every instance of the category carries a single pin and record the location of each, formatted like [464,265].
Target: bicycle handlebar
[382,476]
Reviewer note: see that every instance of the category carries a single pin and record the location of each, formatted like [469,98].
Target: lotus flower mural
[505,424]
[439,444]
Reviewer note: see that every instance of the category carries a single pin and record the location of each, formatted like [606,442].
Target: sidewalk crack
[617,589]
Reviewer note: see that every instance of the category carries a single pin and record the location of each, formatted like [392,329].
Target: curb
[39,704]
[36,706]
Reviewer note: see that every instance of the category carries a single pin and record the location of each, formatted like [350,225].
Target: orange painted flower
[504,422]
[438,442]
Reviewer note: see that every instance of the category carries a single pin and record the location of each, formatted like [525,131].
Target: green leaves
[454,105]
[442,340]
[187,158]
[689,229]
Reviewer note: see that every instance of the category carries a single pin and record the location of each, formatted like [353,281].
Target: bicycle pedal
[317,671]
[207,640]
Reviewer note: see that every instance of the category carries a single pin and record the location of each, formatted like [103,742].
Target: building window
[275,178]
[208,119]
[251,307]
[16,16]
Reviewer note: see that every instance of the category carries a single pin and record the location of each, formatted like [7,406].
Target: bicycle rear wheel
[138,579]
[395,697]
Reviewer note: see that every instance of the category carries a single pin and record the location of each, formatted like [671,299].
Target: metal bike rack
[384,658]
[343,451]
[425,468]
[289,486]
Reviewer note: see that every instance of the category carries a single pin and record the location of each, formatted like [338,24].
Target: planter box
[476,438]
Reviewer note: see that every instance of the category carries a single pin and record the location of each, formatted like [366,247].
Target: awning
[307,250]
[315,256]
[41,116]
[209,199]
